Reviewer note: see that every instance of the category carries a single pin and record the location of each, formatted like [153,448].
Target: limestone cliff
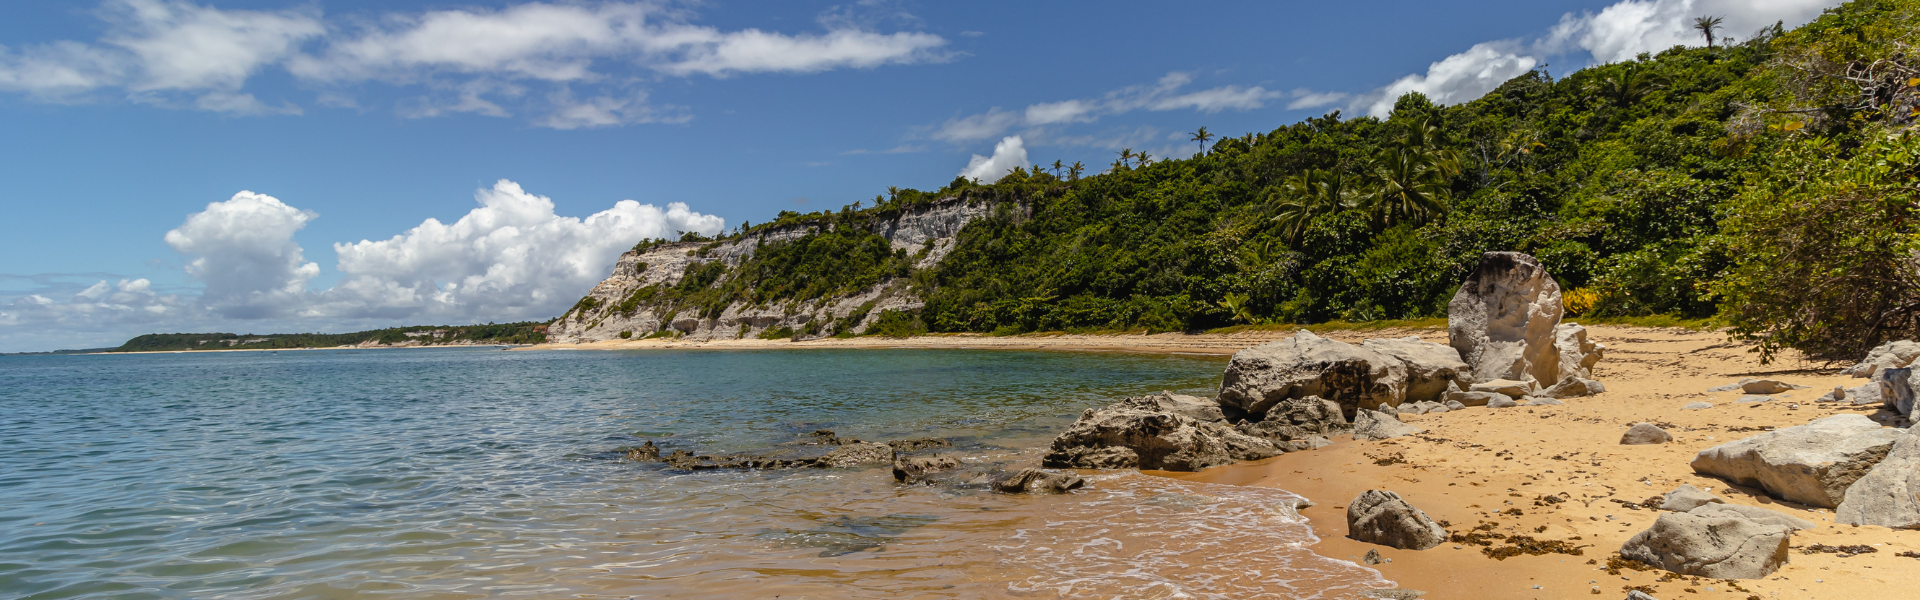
[622,306]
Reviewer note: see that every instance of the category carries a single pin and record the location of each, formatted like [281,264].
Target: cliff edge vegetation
[1766,182]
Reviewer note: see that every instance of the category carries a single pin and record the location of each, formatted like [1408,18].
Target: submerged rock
[1309,365]
[857,454]
[1812,464]
[916,469]
[1503,320]
[1035,481]
[1383,517]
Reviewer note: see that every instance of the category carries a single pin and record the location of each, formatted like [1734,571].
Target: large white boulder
[1889,495]
[1812,464]
[1430,367]
[1309,365]
[1503,320]
[1577,353]
[1716,545]
[1894,354]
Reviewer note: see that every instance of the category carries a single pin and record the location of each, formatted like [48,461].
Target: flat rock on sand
[1686,498]
[1811,464]
[1718,545]
[1309,365]
[1376,425]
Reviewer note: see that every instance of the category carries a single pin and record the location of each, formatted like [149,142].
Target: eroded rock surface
[1431,368]
[1889,494]
[1574,387]
[1121,436]
[1309,365]
[1812,464]
[1577,353]
[1036,481]
[915,469]
[1192,407]
[1383,517]
[1894,354]
[1503,320]
[1376,425]
[1686,498]
[1720,546]
[1641,434]
[1299,424]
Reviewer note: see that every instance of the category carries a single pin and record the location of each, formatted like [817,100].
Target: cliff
[649,293]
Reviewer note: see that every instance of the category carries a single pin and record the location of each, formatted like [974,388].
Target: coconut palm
[1307,195]
[1626,84]
[1126,154]
[1412,176]
[1056,168]
[1202,136]
[1706,26]
[1073,172]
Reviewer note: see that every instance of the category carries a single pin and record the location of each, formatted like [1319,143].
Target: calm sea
[480,473]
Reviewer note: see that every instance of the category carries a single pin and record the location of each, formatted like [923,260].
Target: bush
[897,324]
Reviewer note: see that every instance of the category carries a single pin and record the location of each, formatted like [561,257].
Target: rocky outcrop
[1897,388]
[1812,464]
[1309,365]
[1755,514]
[1686,498]
[1895,354]
[1035,481]
[1430,367]
[1889,494]
[1299,424]
[1574,387]
[858,454]
[1641,434]
[618,305]
[1476,398]
[1577,353]
[1192,407]
[1383,517]
[1376,425]
[1503,320]
[1122,436]
[1505,387]
[916,469]
[1720,546]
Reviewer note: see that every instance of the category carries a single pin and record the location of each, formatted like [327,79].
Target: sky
[270,166]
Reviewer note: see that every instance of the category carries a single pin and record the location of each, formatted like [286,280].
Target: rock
[1639,595]
[1035,481]
[1864,394]
[1717,546]
[1372,557]
[1192,407]
[1696,406]
[1641,434]
[1431,368]
[1298,419]
[1504,317]
[1768,386]
[1838,394]
[1574,387]
[914,469]
[1501,401]
[1577,354]
[1456,405]
[1375,425]
[1812,464]
[1309,365]
[1889,495]
[1151,440]
[1393,594]
[1728,387]
[918,444]
[1686,498]
[1752,399]
[1473,398]
[1897,387]
[1439,409]
[858,454]
[1755,514]
[1382,517]
[1542,401]
[1895,354]
[647,452]
[1506,387]
[1420,408]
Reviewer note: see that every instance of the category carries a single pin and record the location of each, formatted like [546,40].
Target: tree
[1145,159]
[1073,172]
[1626,84]
[1307,195]
[1202,136]
[1412,176]
[1706,26]
[1126,154]
[1056,168]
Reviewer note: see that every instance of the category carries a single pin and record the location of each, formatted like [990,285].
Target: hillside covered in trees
[1768,184]
[489,334]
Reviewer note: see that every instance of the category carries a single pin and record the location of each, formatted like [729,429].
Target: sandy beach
[1486,466]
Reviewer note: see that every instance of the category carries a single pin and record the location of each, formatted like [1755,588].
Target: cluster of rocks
[823,449]
[1507,347]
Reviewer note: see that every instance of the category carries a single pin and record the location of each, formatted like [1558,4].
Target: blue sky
[134,125]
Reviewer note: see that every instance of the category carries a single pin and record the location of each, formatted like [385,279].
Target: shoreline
[302,349]
[1157,343]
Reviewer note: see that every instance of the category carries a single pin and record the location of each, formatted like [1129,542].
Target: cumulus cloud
[176,53]
[1619,32]
[510,258]
[1163,95]
[244,252]
[1011,152]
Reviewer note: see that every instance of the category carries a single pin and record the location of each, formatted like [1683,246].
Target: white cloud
[1624,30]
[176,53]
[246,256]
[1163,95]
[1454,79]
[511,258]
[1009,153]
[1304,98]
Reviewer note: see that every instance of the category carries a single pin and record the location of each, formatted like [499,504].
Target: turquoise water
[479,473]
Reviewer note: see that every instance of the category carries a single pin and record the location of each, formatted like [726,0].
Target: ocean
[481,473]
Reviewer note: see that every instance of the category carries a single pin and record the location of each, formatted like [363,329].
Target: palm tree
[893,192]
[1626,84]
[1307,195]
[1073,172]
[1145,159]
[1056,168]
[1412,176]
[1236,305]
[1125,155]
[1706,26]
[1202,136]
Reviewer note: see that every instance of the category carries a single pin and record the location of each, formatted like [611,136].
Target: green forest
[1766,185]
[504,333]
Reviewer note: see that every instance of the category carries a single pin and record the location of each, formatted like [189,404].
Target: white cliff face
[931,228]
